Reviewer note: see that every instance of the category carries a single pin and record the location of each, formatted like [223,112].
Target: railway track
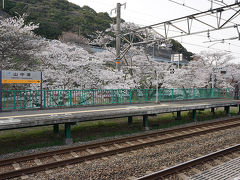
[20,166]
[178,171]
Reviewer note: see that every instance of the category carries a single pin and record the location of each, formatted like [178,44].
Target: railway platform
[70,116]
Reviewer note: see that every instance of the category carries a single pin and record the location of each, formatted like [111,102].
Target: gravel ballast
[138,163]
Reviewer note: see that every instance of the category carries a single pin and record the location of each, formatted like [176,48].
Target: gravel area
[137,163]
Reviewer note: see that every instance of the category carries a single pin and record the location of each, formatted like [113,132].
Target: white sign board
[21,77]
[176,57]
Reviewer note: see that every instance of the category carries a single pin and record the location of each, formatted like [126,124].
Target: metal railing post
[233,93]
[93,96]
[44,98]
[70,98]
[1,91]
[113,96]
[41,88]
[183,94]
[157,90]
[193,93]
[14,99]
[146,95]
[130,94]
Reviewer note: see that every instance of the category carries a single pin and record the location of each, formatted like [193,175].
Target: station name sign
[20,77]
[176,57]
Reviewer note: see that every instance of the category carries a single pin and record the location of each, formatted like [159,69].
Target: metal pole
[213,78]
[3,4]
[0,91]
[118,36]
[157,90]
[41,99]
[178,60]
[153,51]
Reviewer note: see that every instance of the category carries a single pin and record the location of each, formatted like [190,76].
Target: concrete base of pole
[145,122]
[227,110]
[130,120]
[56,128]
[146,128]
[68,141]
[212,110]
[178,115]
[195,115]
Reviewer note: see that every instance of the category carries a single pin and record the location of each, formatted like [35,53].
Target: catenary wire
[197,10]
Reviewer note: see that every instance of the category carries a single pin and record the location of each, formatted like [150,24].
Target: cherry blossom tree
[70,66]
[198,73]
[18,43]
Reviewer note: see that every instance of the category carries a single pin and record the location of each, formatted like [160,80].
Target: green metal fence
[31,99]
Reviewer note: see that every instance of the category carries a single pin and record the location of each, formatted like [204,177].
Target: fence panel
[21,99]
[150,95]
[31,99]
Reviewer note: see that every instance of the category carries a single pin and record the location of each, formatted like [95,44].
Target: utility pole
[118,36]
[3,4]
[118,33]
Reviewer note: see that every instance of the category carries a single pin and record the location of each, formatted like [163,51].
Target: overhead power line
[220,3]
[204,13]
[197,45]
[198,9]
[145,33]
[222,40]
[188,23]
[183,4]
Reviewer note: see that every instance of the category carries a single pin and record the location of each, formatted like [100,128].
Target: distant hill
[57,16]
[178,47]
[166,53]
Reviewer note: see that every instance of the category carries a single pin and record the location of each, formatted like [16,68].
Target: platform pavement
[229,171]
[32,118]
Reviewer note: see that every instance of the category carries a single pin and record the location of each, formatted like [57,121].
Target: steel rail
[108,142]
[37,168]
[188,164]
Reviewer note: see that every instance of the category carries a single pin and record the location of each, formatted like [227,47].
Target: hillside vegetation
[57,16]
[178,47]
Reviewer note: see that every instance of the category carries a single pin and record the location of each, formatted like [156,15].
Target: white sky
[148,12]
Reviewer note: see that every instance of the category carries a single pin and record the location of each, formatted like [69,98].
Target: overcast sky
[148,12]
